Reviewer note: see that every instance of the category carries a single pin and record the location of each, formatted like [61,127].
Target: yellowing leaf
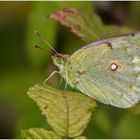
[68,113]
[88,26]
[81,137]
[39,133]
[79,22]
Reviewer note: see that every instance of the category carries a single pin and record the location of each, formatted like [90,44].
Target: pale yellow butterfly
[107,70]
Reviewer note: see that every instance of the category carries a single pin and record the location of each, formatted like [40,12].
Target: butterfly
[107,70]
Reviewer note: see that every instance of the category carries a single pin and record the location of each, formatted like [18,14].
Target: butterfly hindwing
[109,70]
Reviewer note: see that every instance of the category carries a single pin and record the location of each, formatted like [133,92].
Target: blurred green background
[22,65]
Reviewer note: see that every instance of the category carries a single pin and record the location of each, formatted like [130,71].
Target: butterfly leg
[54,72]
[61,81]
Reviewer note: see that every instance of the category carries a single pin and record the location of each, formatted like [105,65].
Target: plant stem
[67,113]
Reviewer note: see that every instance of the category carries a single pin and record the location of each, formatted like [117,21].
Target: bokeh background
[22,65]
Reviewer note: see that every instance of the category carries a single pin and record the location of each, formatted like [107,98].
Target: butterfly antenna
[48,44]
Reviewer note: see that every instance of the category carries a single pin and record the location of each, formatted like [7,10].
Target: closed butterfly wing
[108,70]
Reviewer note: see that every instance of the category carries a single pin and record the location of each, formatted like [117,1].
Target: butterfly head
[60,60]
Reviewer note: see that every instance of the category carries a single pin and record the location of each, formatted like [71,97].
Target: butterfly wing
[108,70]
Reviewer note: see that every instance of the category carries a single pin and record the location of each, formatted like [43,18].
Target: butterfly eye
[58,61]
[113,67]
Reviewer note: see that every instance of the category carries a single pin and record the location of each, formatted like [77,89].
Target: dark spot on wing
[109,44]
[114,66]
[106,40]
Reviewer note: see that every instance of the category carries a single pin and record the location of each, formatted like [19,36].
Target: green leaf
[88,26]
[39,133]
[127,128]
[79,22]
[116,30]
[133,18]
[135,110]
[86,5]
[68,113]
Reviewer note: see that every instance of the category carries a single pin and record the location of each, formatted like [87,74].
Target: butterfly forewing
[108,70]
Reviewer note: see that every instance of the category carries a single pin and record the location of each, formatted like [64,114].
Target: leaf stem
[67,113]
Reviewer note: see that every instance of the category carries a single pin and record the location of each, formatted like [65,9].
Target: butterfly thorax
[62,62]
